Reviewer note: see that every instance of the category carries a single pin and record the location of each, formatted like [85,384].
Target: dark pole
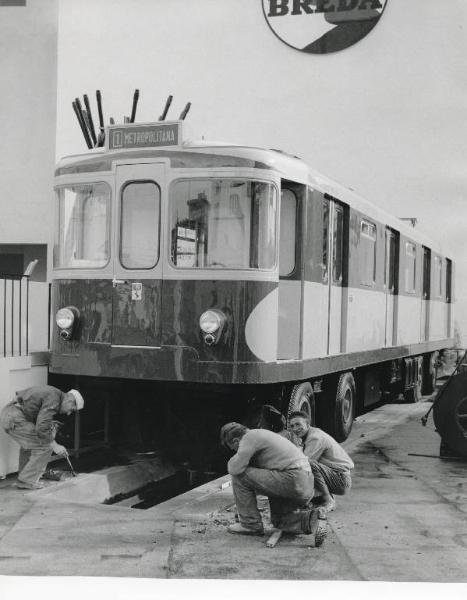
[49,313]
[20,307]
[27,315]
[101,138]
[80,118]
[99,109]
[12,316]
[135,104]
[81,112]
[4,317]
[92,131]
[184,112]
[166,108]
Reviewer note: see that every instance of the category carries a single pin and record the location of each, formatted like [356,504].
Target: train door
[335,269]
[426,282]
[137,275]
[290,280]
[390,286]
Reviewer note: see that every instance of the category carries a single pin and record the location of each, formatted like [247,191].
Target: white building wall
[28,64]
[28,76]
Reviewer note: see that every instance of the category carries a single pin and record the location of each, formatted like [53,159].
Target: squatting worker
[28,419]
[330,463]
[267,463]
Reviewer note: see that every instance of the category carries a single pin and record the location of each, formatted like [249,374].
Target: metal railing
[14,313]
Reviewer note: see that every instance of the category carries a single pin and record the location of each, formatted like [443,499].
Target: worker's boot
[25,485]
[315,523]
[239,528]
[310,522]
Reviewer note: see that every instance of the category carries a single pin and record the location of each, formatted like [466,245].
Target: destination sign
[144,136]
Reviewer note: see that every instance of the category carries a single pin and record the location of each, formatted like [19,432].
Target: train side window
[324,264]
[139,238]
[448,280]
[438,287]
[367,253]
[338,244]
[288,233]
[410,267]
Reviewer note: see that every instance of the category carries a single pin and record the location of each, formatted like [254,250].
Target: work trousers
[35,453]
[329,480]
[286,491]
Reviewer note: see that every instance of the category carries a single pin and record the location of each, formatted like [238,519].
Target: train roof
[223,154]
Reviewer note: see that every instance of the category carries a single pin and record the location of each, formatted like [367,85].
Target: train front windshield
[223,223]
[83,232]
[216,223]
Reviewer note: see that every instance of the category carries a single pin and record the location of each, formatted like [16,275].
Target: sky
[386,116]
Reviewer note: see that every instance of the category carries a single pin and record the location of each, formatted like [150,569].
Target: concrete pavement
[403,520]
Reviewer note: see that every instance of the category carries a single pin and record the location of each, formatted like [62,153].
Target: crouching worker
[267,463]
[29,420]
[330,463]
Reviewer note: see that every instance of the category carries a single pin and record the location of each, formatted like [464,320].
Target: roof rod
[184,112]
[101,136]
[92,131]
[135,104]
[79,115]
[88,126]
[166,108]
[99,109]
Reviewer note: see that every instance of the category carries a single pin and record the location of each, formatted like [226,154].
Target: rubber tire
[415,394]
[445,411]
[429,373]
[302,398]
[338,408]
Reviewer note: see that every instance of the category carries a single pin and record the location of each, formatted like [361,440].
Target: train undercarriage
[182,420]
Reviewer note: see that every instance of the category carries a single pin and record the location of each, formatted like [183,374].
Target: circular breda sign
[322,26]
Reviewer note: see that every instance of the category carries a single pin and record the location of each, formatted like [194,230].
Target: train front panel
[166,274]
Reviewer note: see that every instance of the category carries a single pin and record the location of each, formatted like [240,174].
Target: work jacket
[39,405]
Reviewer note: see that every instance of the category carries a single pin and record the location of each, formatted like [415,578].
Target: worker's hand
[59,449]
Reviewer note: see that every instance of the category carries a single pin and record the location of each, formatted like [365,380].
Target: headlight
[211,321]
[65,318]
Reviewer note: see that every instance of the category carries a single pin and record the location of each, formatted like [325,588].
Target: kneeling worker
[28,419]
[330,463]
[267,463]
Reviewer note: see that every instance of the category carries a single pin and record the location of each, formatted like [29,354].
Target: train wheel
[450,414]
[430,362]
[337,407]
[302,399]
[414,394]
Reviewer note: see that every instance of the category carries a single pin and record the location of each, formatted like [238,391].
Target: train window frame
[293,236]
[438,276]
[367,259]
[159,218]
[338,226]
[224,177]
[109,216]
[407,277]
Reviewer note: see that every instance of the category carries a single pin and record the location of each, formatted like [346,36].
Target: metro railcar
[242,270]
